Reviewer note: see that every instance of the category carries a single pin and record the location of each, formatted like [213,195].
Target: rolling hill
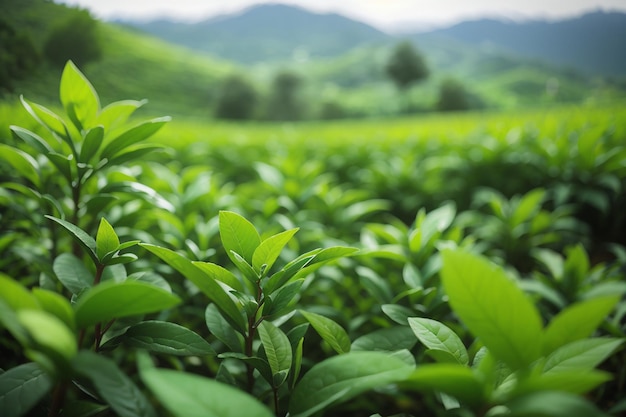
[268,33]
[593,43]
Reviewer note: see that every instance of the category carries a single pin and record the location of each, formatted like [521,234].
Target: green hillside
[180,81]
[133,65]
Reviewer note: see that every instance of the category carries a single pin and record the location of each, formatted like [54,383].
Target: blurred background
[314,60]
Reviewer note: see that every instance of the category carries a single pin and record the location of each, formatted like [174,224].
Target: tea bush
[307,278]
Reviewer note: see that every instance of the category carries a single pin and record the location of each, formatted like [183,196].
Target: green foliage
[237,98]
[452,96]
[406,66]
[223,280]
[18,58]
[75,39]
[285,101]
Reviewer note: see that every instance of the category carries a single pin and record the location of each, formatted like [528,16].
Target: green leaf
[15,295]
[72,273]
[205,283]
[277,349]
[581,355]
[397,313]
[573,381]
[133,153]
[453,379]
[32,139]
[133,136]
[21,388]
[220,274]
[118,112]
[269,250]
[257,363]
[325,256]
[238,235]
[56,305]
[278,279]
[529,205]
[493,308]
[342,378]
[106,239]
[188,395]
[552,404]
[282,299]
[91,144]
[577,321]
[110,300]
[330,331]
[437,336]
[80,236]
[78,97]
[389,339]
[245,268]
[63,163]
[117,389]
[222,330]
[166,338]
[22,162]
[50,335]
[47,118]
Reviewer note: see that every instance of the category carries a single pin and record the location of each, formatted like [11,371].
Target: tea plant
[492,310]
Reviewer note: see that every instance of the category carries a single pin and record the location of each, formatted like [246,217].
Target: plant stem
[58,398]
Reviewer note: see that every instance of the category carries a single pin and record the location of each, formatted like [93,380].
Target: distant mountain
[593,43]
[272,32]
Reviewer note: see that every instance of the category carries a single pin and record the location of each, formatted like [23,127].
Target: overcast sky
[382,13]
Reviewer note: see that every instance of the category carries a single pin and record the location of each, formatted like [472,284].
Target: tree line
[239,99]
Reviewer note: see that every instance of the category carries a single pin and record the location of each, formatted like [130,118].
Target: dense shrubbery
[406,279]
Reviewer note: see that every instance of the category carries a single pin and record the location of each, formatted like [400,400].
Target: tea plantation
[464,265]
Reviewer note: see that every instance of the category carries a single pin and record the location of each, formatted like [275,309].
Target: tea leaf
[22,162]
[188,395]
[238,235]
[72,273]
[277,349]
[55,304]
[116,113]
[342,378]
[110,300]
[16,296]
[32,139]
[581,355]
[493,308]
[281,299]
[48,333]
[330,331]
[269,250]
[453,379]
[389,339]
[117,389]
[166,338]
[78,97]
[106,239]
[553,404]
[205,283]
[577,321]
[437,336]
[91,143]
[132,136]
[48,119]
[21,388]
[221,274]
[222,330]
[86,241]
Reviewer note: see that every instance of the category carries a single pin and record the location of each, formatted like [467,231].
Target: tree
[284,102]
[18,56]
[406,65]
[75,39]
[452,96]
[237,98]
